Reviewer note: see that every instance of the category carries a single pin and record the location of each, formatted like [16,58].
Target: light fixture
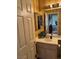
[50,6]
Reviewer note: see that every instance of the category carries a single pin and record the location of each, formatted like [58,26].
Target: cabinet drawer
[46,46]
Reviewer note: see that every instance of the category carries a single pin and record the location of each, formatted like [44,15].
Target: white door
[25,30]
[22,44]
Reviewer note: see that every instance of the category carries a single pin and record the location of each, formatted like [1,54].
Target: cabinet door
[46,51]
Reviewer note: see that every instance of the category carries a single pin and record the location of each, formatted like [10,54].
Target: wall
[38,6]
[43,3]
[37,12]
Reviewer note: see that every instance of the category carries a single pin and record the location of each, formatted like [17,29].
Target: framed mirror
[38,21]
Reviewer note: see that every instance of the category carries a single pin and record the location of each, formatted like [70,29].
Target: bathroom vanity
[48,48]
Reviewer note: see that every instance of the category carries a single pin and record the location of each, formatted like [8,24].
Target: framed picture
[39,21]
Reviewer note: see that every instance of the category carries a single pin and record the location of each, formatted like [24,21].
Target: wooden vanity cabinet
[46,51]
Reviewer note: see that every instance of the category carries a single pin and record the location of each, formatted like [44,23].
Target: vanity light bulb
[50,6]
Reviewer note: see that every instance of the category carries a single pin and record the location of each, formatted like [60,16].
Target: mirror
[38,20]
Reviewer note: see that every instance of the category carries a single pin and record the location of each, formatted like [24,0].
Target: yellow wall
[38,6]
[43,3]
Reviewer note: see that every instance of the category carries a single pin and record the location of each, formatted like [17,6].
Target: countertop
[54,40]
